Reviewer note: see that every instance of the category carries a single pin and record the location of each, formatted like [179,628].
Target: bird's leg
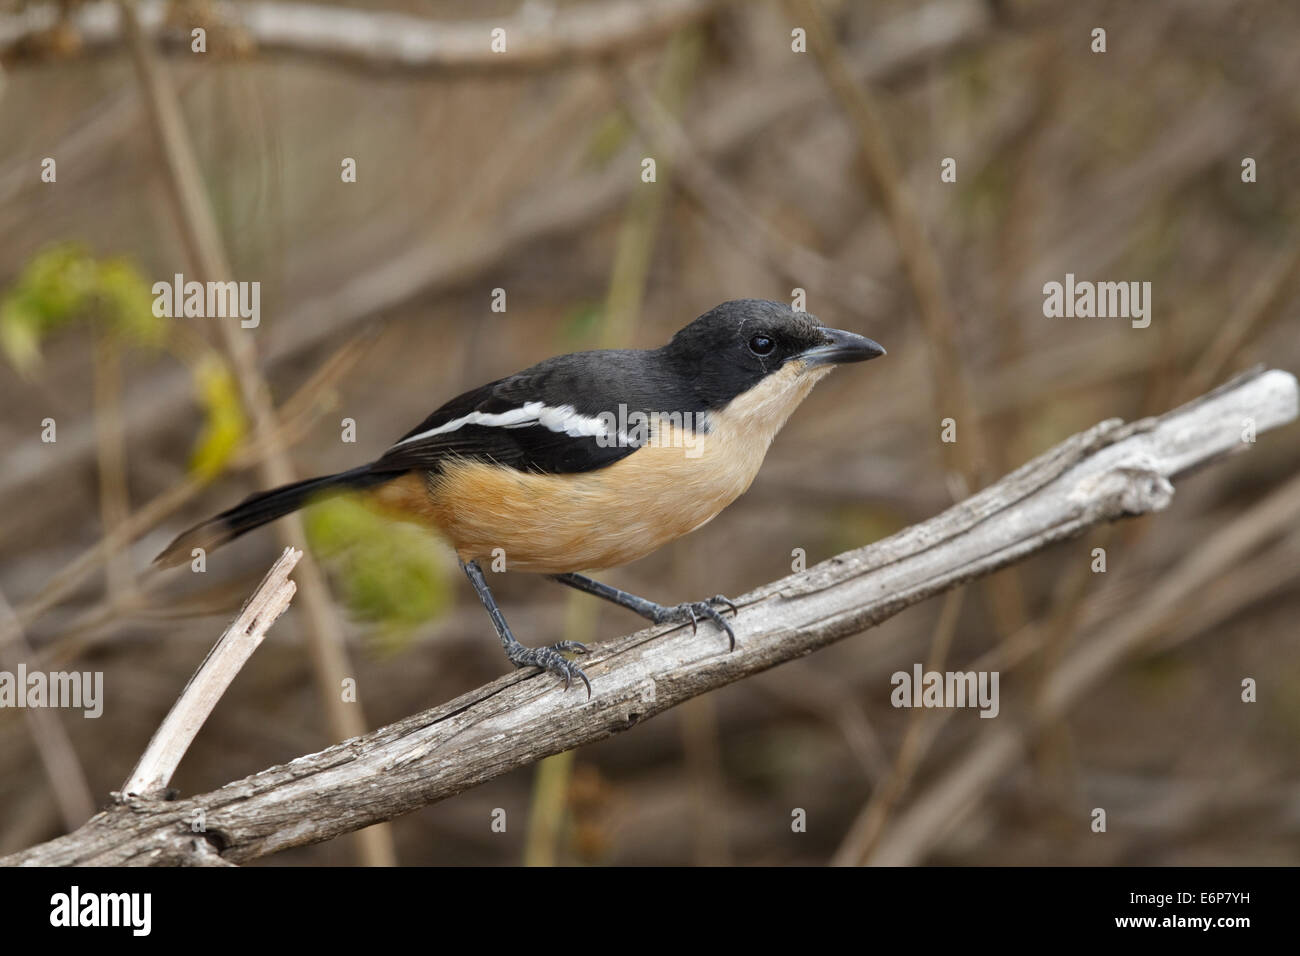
[691,611]
[547,658]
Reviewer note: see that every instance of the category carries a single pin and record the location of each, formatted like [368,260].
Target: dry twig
[154,770]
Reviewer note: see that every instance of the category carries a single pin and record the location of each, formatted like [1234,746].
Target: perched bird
[589,460]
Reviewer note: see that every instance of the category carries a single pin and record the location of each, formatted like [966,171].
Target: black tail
[257,509]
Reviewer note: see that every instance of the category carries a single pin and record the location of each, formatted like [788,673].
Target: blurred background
[798,150]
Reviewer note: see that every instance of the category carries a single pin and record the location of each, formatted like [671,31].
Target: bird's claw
[693,610]
[550,659]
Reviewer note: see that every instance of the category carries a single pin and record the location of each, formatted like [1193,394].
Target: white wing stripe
[562,419]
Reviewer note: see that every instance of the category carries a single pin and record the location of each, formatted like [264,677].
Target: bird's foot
[692,611]
[550,659]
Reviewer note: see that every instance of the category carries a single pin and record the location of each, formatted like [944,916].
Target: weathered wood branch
[368,39]
[1111,471]
[233,649]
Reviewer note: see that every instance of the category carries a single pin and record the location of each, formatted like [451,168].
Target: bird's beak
[842,347]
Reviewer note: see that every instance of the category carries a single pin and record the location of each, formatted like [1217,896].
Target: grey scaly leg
[691,611]
[547,658]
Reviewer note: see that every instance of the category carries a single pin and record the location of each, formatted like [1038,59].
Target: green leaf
[64,284]
[126,300]
[20,336]
[224,424]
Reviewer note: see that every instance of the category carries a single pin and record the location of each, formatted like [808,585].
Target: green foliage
[392,573]
[224,423]
[65,284]
[127,301]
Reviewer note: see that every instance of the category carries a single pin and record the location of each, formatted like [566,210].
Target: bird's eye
[761,345]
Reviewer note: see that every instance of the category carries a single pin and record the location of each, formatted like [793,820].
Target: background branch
[368,39]
[59,758]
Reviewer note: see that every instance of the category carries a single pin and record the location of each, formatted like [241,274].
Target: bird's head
[764,351]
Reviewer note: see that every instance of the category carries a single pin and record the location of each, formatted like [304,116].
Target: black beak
[842,347]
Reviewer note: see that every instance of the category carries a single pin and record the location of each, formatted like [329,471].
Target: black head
[730,349]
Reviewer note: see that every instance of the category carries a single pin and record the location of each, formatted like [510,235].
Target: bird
[587,461]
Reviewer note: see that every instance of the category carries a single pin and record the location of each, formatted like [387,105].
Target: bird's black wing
[558,417]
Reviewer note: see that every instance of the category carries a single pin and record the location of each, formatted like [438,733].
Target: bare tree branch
[368,39]
[1109,472]
[232,650]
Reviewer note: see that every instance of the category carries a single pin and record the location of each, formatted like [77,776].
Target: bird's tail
[258,509]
